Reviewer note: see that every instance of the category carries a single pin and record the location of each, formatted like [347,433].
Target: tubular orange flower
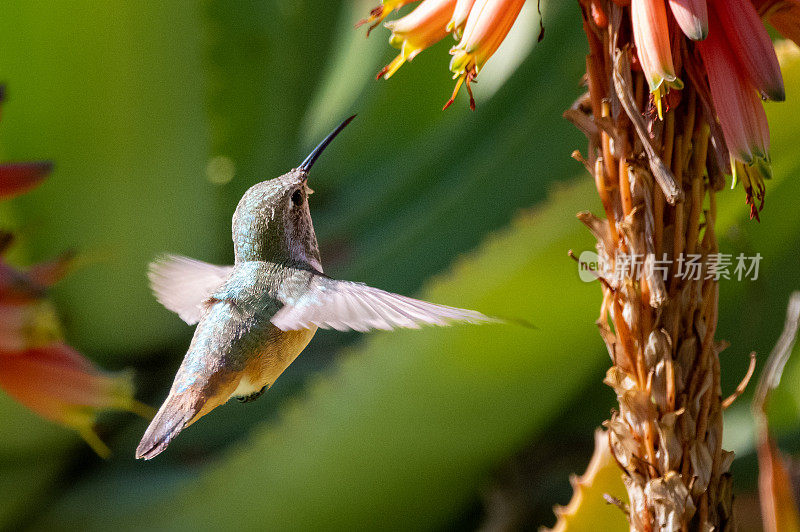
[59,384]
[487,26]
[751,45]
[739,109]
[651,36]
[377,14]
[692,17]
[460,14]
[421,28]
[740,112]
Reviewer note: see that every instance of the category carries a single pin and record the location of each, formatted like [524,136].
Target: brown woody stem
[658,322]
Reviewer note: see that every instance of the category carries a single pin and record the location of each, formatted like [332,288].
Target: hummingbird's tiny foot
[253,396]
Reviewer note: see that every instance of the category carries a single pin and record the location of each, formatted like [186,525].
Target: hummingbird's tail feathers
[182,284]
[175,414]
[343,305]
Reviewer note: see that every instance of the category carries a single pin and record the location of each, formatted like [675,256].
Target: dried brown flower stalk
[657,180]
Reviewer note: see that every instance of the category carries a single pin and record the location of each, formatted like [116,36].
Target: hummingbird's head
[273,222]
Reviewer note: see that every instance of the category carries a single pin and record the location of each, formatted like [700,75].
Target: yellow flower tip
[455,93]
[140,409]
[675,83]
[93,440]
[81,419]
[752,175]
[736,169]
[659,106]
[460,62]
[389,70]
[659,91]
[120,397]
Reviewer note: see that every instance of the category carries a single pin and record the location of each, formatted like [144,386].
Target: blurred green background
[160,114]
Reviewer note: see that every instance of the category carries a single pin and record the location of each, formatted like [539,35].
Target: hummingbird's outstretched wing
[344,305]
[183,285]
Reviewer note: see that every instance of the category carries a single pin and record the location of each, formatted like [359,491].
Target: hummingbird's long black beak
[306,165]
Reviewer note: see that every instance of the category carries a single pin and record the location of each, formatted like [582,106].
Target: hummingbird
[255,317]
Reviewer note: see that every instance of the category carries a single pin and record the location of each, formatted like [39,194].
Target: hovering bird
[256,316]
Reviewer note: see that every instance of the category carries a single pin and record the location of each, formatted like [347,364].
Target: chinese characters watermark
[688,267]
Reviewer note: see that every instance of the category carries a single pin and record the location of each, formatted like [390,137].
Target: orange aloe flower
[421,28]
[750,43]
[741,115]
[692,17]
[377,14]
[651,36]
[61,385]
[487,26]
[41,372]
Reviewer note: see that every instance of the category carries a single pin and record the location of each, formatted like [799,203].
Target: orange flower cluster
[739,62]
[479,26]
[36,367]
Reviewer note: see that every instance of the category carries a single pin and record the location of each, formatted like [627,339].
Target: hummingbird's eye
[297,197]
